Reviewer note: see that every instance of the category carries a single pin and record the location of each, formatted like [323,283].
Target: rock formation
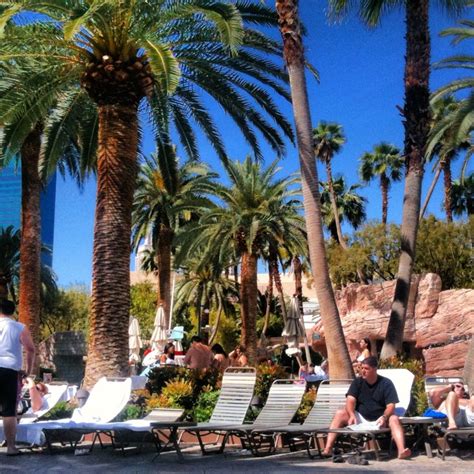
[439,324]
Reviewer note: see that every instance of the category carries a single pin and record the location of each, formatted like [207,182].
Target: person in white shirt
[14,337]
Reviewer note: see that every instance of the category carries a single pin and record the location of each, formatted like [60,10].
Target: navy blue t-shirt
[373,399]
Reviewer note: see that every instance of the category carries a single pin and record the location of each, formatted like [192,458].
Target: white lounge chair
[107,399]
[330,397]
[234,400]
[403,381]
[56,393]
[284,399]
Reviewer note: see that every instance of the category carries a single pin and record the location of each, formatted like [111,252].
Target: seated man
[370,398]
[453,401]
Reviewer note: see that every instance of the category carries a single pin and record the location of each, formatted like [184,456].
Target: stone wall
[439,323]
[63,353]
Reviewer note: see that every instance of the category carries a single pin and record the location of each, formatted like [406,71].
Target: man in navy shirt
[370,398]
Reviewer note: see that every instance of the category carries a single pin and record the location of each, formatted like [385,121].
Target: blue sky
[361,85]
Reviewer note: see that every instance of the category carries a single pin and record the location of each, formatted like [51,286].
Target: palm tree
[350,205]
[205,287]
[416,121]
[38,134]
[10,263]
[293,52]
[257,212]
[167,196]
[328,140]
[121,53]
[459,121]
[385,161]
[463,196]
[446,151]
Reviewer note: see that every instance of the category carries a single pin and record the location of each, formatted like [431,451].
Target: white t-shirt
[10,346]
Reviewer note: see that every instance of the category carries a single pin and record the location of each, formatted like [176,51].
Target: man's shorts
[464,417]
[8,391]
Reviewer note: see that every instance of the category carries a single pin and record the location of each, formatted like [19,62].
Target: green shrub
[419,402]
[180,393]
[158,377]
[266,375]
[60,410]
[205,405]
[306,405]
[130,412]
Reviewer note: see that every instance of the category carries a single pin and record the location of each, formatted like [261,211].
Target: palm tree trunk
[248,304]
[448,185]
[430,190]
[384,188]
[268,305]
[341,367]
[337,222]
[215,329]
[30,245]
[417,124]
[163,263]
[116,175]
[279,287]
[298,276]
[468,374]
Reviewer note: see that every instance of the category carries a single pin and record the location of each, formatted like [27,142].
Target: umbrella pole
[305,339]
[172,301]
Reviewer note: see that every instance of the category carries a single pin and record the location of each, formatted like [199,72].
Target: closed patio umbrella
[294,330]
[134,339]
[159,336]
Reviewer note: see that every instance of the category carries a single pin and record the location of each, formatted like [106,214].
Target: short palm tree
[445,152]
[254,213]
[386,163]
[459,121]
[293,52]
[328,140]
[463,196]
[123,51]
[350,205]
[10,246]
[167,196]
[416,121]
[206,287]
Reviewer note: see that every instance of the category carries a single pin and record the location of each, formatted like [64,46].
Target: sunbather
[454,401]
[370,398]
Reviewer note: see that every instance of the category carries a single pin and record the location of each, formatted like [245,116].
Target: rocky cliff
[439,323]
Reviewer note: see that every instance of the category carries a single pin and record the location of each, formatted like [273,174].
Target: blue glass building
[10,206]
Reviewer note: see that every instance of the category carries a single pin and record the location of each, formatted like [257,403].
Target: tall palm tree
[446,151]
[350,205]
[38,134]
[463,196]
[293,51]
[167,196]
[386,163]
[121,53]
[257,211]
[328,140]
[416,121]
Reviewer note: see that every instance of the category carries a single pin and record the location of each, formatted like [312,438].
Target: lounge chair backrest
[107,399]
[283,400]
[432,382]
[330,397]
[55,394]
[164,414]
[403,381]
[236,394]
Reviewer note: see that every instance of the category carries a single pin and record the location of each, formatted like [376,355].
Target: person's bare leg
[399,437]
[9,428]
[339,421]
[452,408]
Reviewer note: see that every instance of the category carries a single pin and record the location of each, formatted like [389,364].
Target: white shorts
[464,417]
